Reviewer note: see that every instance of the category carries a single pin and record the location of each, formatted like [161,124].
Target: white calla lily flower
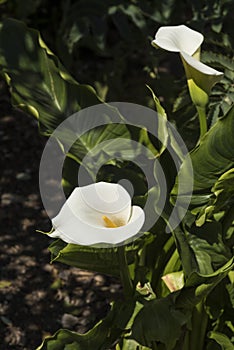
[200,77]
[187,42]
[98,213]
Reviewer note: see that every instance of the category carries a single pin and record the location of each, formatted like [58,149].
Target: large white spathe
[98,213]
[178,38]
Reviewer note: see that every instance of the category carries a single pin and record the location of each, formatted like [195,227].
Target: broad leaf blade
[39,83]
[103,260]
[164,320]
[159,321]
[41,86]
[100,337]
[215,153]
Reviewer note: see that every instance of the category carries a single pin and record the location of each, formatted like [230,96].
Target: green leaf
[206,282]
[159,320]
[219,305]
[222,340]
[208,247]
[164,320]
[223,189]
[222,198]
[219,59]
[162,124]
[101,337]
[214,155]
[41,86]
[188,259]
[130,344]
[174,280]
[161,111]
[39,83]
[103,260]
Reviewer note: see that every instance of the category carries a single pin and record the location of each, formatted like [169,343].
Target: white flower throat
[112,223]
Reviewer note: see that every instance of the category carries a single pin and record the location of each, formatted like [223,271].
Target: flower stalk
[124,273]
[202,120]
[199,326]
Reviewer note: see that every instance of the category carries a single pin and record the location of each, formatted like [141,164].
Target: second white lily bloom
[187,42]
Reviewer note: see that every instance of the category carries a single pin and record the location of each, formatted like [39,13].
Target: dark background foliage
[107,44]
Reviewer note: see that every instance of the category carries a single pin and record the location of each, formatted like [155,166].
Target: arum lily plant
[200,77]
[178,285]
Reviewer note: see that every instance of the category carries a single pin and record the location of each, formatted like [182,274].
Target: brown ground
[36,298]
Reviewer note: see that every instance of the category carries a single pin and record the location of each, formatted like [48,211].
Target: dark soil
[36,297]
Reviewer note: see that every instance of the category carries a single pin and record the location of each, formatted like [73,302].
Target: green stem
[202,119]
[183,342]
[163,258]
[186,341]
[124,273]
[172,263]
[199,327]
[154,346]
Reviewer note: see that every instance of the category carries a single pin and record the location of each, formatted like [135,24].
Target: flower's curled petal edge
[78,232]
[178,38]
[79,204]
[199,66]
[105,196]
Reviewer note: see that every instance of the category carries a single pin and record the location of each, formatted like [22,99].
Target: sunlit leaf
[222,197]
[222,340]
[130,344]
[214,155]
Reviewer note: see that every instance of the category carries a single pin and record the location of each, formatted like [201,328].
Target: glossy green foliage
[192,309]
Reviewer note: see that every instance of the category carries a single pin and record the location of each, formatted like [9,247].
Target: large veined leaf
[208,246]
[221,199]
[201,249]
[100,337]
[219,306]
[164,319]
[159,321]
[41,86]
[215,154]
[207,282]
[39,83]
[103,260]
